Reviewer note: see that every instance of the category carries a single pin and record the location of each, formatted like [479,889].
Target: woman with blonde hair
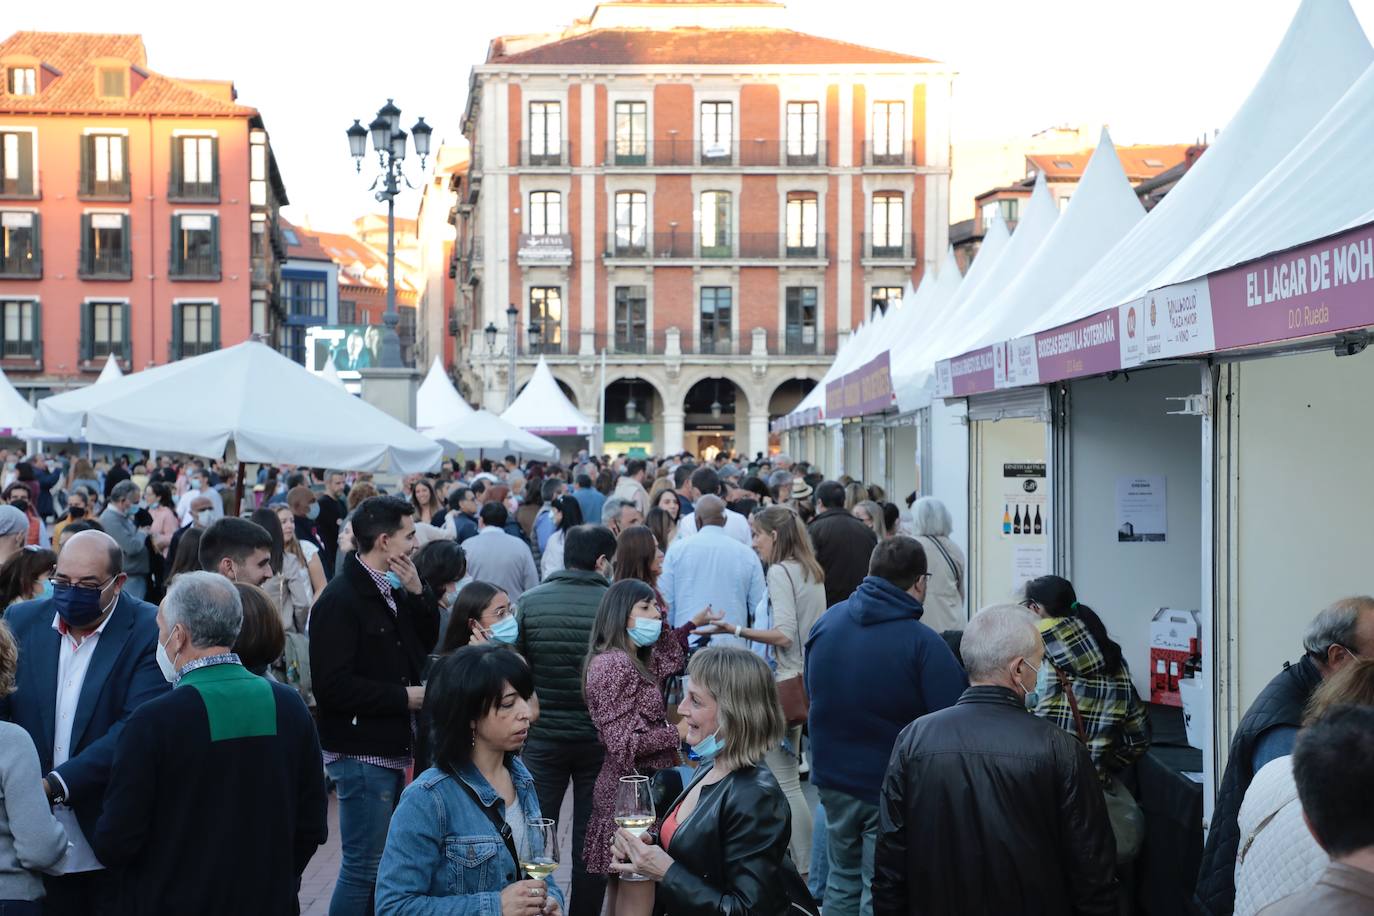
[302,574]
[871,514]
[727,833]
[854,493]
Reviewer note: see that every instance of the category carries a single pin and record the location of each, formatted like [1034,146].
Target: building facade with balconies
[711,200]
[138,213]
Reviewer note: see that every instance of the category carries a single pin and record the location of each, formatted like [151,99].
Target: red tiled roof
[307,247]
[744,46]
[73,56]
[1139,162]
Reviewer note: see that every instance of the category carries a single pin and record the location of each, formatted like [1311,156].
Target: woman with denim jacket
[445,852]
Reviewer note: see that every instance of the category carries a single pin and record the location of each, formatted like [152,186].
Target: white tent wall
[1122,428]
[945,471]
[903,463]
[992,445]
[1293,465]
[852,462]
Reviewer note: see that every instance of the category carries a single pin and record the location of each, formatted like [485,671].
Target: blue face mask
[505,631]
[132,510]
[645,632]
[314,511]
[46,590]
[196,483]
[79,607]
[393,580]
[709,747]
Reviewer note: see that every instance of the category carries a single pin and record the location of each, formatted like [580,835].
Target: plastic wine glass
[539,848]
[634,810]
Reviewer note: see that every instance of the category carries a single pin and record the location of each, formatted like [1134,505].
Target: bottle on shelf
[1016,520]
[1006,519]
[1039,525]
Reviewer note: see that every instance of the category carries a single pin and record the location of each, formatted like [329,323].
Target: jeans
[21,908]
[783,762]
[820,856]
[852,832]
[553,764]
[367,797]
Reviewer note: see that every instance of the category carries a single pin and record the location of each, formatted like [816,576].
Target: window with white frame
[717,130]
[546,313]
[105,246]
[716,215]
[889,223]
[801,316]
[889,132]
[803,132]
[105,330]
[717,311]
[631,319]
[103,166]
[195,168]
[631,222]
[22,81]
[546,213]
[631,133]
[20,254]
[17,332]
[195,245]
[195,328]
[802,223]
[16,163]
[546,133]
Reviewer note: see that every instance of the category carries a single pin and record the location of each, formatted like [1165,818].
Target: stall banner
[874,385]
[1023,365]
[1085,347]
[944,380]
[1167,323]
[834,398]
[1320,288]
[972,373]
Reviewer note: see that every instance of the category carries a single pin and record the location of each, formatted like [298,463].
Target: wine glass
[539,847]
[634,810]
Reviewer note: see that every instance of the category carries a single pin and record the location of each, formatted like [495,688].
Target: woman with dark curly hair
[24,576]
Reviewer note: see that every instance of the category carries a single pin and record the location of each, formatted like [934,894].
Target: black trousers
[85,893]
[553,764]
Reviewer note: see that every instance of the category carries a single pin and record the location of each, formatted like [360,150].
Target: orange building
[710,198]
[138,212]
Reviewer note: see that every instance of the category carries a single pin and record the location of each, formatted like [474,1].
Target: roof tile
[745,46]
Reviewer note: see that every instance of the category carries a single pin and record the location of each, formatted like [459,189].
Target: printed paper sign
[1023,368]
[1028,562]
[1141,509]
[1167,323]
[1025,511]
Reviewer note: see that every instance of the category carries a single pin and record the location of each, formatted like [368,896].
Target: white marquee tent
[483,431]
[437,402]
[543,409]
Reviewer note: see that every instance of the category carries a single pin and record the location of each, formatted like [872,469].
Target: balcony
[180,191]
[541,250]
[801,340]
[475,174]
[749,154]
[545,156]
[197,267]
[105,265]
[25,264]
[889,155]
[89,187]
[682,246]
[892,249]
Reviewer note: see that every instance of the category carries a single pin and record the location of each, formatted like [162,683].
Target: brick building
[138,213]
[711,199]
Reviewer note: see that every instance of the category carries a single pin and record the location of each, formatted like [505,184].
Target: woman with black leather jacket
[722,848]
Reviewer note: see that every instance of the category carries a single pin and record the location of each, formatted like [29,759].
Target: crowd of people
[192,660]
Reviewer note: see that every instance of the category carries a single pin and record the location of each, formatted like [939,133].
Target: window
[717,131]
[103,170]
[803,133]
[631,133]
[1064,202]
[716,317]
[195,329]
[348,311]
[16,164]
[257,169]
[631,319]
[305,297]
[195,246]
[801,319]
[546,312]
[104,330]
[631,220]
[20,255]
[405,333]
[715,224]
[546,213]
[112,82]
[19,329]
[105,246]
[801,225]
[546,133]
[889,133]
[888,222]
[1009,207]
[23,81]
[883,298]
[195,168]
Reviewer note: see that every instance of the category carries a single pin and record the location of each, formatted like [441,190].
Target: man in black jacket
[333,511]
[555,629]
[985,807]
[843,543]
[1335,637]
[370,631]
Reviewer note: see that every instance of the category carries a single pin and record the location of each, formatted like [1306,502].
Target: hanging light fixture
[715,403]
[631,408]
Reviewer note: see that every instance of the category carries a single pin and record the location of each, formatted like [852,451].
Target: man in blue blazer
[87,660]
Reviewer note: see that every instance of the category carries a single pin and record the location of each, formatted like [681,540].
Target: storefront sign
[1084,347]
[834,399]
[1321,288]
[874,385]
[630,432]
[1167,323]
[1024,507]
[545,248]
[972,373]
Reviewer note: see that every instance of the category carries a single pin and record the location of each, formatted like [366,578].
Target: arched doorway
[783,401]
[634,418]
[710,417]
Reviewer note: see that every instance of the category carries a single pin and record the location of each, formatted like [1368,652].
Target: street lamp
[631,407]
[490,332]
[389,142]
[533,334]
[512,324]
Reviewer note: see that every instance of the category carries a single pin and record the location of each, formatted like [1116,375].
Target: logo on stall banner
[1154,314]
[1130,322]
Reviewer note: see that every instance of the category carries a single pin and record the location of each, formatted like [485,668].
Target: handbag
[953,567]
[1123,811]
[796,705]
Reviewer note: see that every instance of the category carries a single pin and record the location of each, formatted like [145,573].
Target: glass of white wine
[634,810]
[539,848]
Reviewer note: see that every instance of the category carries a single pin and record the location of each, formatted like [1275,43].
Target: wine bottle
[1039,526]
[1016,520]
[1006,519]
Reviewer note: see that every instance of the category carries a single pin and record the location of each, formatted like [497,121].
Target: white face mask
[168,665]
[205,517]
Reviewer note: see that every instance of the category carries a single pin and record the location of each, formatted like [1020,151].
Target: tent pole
[238,488]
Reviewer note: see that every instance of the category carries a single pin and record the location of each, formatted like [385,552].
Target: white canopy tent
[437,402]
[16,414]
[270,408]
[110,372]
[483,431]
[1324,51]
[1104,208]
[543,409]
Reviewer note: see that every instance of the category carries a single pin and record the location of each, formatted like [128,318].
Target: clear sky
[1165,71]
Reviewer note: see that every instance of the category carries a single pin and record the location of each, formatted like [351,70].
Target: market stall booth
[437,402]
[543,409]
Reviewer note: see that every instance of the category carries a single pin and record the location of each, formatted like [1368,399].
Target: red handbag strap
[1067,687]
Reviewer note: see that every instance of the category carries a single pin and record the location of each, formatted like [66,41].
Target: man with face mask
[871,667]
[306,511]
[89,660]
[371,630]
[119,522]
[555,627]
[237,549]
[986,768]
[202,516]
[198,486]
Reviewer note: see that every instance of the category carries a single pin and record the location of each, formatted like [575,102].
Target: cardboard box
[1175,636]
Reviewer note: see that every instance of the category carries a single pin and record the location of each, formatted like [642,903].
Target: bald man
[712,569]
[89,660]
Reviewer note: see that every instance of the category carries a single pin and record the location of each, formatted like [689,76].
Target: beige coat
[945,590]
[630,489]
[797,604]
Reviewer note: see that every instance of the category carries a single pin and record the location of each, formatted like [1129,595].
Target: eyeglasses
[64,582]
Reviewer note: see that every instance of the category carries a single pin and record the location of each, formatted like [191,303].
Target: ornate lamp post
[389,142]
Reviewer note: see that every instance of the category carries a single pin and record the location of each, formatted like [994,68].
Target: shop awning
[437,402]
[543,409]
